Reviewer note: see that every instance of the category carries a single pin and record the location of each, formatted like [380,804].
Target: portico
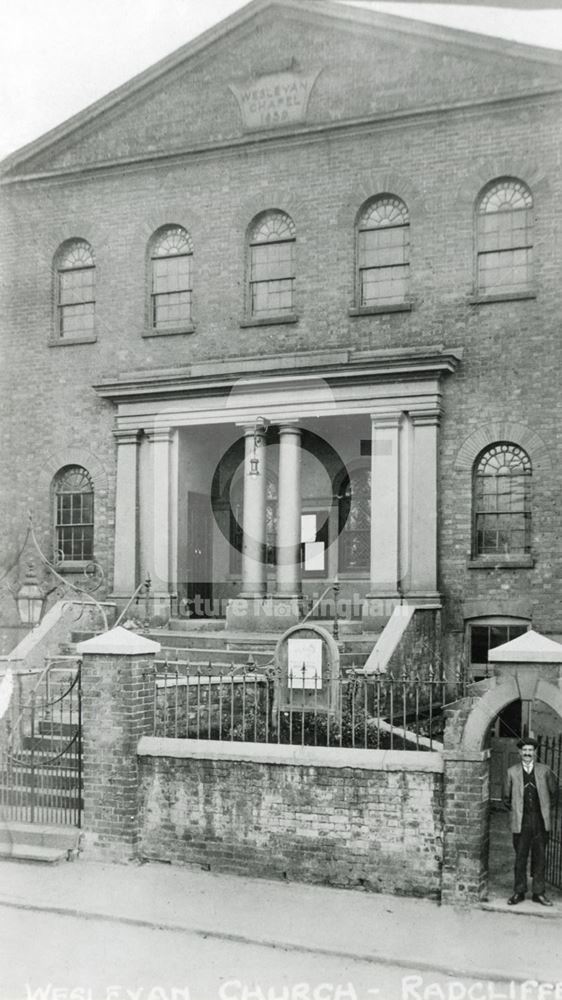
[252,490]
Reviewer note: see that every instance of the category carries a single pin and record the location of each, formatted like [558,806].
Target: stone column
[385,519]
[254,566]
[158,547]
[125,572]
[423,554]
[117,680]
[249,610]
[289,513]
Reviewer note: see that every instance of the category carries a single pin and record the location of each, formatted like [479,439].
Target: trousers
[533,838]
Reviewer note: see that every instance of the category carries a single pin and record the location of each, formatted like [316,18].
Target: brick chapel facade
[284,308]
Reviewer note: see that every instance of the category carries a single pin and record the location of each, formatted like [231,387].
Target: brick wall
[347,818]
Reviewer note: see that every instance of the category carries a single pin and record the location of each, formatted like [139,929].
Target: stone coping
[531,648]
[118,641]
[294,756]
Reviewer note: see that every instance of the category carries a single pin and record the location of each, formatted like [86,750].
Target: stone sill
[77,566]
[493,562]
[174,331]
[377,310]
[270,320]
[294,756]
[482,300]
[71,341]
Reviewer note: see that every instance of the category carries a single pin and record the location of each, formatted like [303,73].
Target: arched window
[502,501]
[383,252]
[76,289]
[74,515]
[504,238]
[272,266]
[355,522]
[171,256]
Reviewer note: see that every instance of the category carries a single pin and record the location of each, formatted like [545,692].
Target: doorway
[199,555]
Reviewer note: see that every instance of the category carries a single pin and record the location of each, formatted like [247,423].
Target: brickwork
[117,709]
[378,829]
[436,160]
[466,804]
[466,829]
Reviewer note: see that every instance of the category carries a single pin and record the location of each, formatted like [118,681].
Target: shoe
[517,897]
[542,899]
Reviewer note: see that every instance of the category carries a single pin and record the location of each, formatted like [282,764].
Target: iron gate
[40,748]
[550,753]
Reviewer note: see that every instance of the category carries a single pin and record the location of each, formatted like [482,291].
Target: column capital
[126,436]
[290,427]
[159,435]
[430,417]
[252,431]
[390,419]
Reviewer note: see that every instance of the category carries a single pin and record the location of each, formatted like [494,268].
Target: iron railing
[549,752]
[197,700]
[40,747]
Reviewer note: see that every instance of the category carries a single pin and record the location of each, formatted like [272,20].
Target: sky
[58,56]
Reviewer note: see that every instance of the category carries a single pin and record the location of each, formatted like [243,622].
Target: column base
[272,613]
[378,607]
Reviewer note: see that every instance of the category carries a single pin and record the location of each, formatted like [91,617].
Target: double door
[199,555]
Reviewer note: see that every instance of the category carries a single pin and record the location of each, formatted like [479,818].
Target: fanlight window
[272,266]
[76,290]
[383,252]
[355,522]
[74,515]
[505,239]
[172,258]
[502,501]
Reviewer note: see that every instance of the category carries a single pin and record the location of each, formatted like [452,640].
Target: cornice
[274,372]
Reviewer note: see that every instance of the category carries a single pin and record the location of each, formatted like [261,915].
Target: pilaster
[126,550]
[422,583]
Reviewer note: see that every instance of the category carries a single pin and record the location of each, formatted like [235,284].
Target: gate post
[466,807]
[118,676]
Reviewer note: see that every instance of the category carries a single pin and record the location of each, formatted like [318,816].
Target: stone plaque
[274,100]
[307,670]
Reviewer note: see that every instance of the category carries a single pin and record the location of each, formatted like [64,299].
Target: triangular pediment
[279,65]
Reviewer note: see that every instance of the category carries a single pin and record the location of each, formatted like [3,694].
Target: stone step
[197,624]
[46,843]
[227,649]
[226,659]
[173,647]
[30,852]
[65,838]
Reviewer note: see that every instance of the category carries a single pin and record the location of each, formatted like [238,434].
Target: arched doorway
[545,726]
[532,675]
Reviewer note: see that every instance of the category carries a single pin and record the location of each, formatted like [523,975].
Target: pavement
[497,943]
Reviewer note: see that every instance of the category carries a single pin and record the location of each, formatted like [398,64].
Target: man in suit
[530,791]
